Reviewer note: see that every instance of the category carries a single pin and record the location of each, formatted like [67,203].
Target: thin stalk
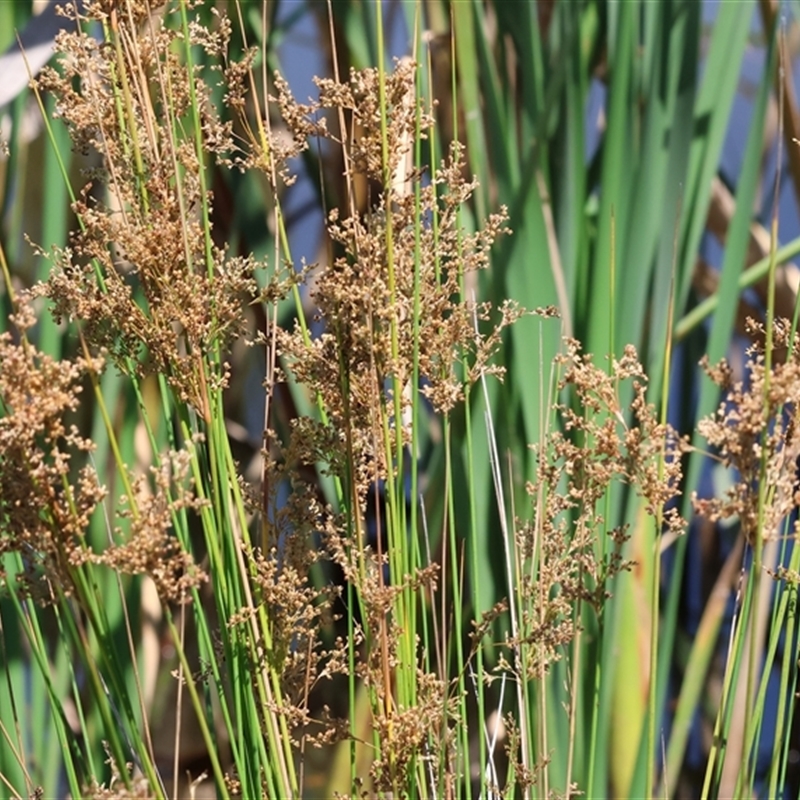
[718,748]
[211,746]
[746,772]
[655,587]
[598,666]
[513,585]
[574,690]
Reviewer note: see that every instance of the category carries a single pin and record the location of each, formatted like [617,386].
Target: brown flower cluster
[605,440]
[754,432]
[394,321]
[48,495]
[43,516]
[392,303]
[149,546]
[142,275]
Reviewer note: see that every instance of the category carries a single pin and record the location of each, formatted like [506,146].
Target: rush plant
[434,569]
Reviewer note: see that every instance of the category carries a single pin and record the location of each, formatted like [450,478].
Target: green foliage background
[611,240]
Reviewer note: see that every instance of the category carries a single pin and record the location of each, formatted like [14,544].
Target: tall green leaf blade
[717,345]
